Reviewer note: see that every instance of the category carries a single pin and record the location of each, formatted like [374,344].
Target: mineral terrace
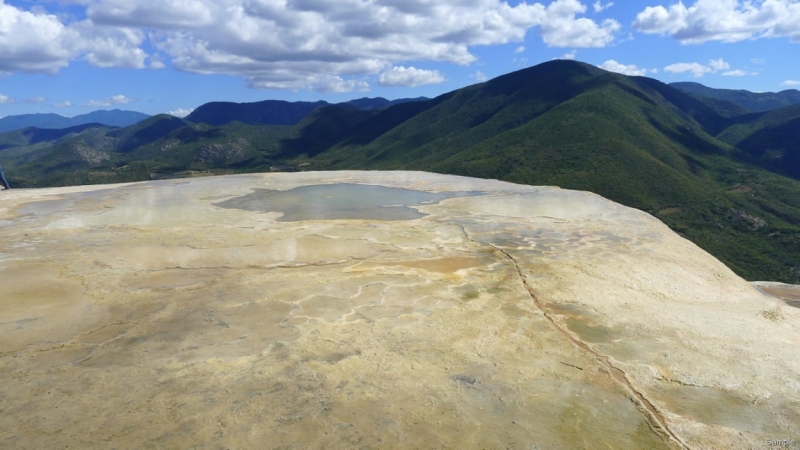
[377,310]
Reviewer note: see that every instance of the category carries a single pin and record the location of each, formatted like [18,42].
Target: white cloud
[298,45]
[758,60]
[570,55]
[790,83]
[107,47]
[722,20]
[629,69]
[562,29]
[339,85]
[479,76]
[156,62]
[180,112]
[599,7]
[35,100]
[4,100]
[111,101]
[160,14]
[738,73]
[520,49]
[409,76]
[719,64]
[34,42]
[65,104]
[329,45]
[697,69]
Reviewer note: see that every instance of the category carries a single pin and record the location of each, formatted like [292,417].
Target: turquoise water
[341,201]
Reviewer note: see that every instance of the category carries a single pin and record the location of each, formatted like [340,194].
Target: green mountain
[268,112]
[32,135]
[379,102]
[772,138]
[634,140]
[279,112]
[115,118]
[751,101]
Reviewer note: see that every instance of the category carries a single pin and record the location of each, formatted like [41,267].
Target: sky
[72,57]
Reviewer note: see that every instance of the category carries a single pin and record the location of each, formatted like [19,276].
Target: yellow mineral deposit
[378,310]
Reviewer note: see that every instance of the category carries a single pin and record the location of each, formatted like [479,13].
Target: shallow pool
[341,201]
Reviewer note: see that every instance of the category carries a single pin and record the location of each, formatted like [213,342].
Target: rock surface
[425,311]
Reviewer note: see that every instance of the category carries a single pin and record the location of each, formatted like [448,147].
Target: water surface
[341,201]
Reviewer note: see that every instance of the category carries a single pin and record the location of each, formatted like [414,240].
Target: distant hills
[268,112]
[278,112]
[115,117]
[724,177]
[750,101]
[32,135]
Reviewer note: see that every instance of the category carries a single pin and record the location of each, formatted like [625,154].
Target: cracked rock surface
[378,310]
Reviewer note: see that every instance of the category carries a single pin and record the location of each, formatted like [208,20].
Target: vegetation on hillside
[727,181]
[752,101]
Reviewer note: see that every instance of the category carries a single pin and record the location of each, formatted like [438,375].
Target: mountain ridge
[633,140]
[751,101]
[114,117]
[280,112]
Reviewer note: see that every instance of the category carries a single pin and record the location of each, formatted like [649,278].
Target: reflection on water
[340,201]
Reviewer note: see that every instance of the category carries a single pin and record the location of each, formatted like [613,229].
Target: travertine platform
[377,310]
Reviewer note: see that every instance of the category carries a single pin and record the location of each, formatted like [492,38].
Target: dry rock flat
[381,310]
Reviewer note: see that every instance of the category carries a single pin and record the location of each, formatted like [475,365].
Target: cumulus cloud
[599,7]
[409,76]
[107,52]
[520,49]
[625,69]
[111,101]
[160,14]
[698,70]
[722,20]
[563,29]
[719,64]
[790,83]
[339,85]
[35,100]
[4,99]
[325,45]
[34,42]
[65,104]
[180,112]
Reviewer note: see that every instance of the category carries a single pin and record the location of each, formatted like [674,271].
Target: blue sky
[75,56]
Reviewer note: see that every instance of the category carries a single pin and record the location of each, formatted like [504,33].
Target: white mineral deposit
[378,310]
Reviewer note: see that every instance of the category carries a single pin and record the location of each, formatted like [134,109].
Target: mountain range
[750,101]
[115,117]
[268,112]
[714,170]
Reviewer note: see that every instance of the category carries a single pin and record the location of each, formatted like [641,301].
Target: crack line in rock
[657,420]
